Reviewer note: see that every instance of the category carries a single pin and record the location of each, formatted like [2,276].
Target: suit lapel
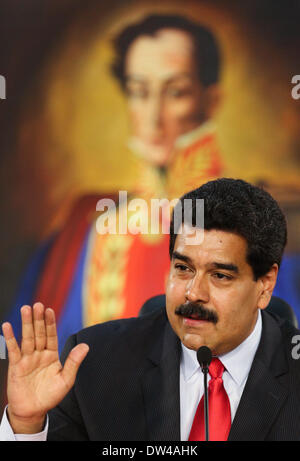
[160,385]
[259,406]
[263,395]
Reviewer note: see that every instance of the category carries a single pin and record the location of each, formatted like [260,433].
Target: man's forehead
[215,245]
[168,47]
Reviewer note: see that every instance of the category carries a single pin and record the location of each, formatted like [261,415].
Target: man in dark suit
[140,379]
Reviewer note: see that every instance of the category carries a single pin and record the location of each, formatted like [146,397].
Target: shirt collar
[237,362]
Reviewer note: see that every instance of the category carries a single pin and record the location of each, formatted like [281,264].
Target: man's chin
[194,341]
[156,154]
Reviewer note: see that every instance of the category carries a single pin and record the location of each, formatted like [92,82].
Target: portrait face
[165,97]
[216,276]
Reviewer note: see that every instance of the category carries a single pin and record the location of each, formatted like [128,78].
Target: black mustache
[189,309]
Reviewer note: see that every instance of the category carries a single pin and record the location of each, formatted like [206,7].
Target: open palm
[37,381]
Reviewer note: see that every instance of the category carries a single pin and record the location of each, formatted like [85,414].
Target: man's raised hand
[37,382]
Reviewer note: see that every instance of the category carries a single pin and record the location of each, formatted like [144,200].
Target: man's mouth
[195,322]
[193,316]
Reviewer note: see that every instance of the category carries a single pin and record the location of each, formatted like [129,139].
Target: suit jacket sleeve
[65,420]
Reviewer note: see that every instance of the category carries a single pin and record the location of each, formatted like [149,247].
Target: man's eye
[220,276]
[137,92]
[181,267]
[177,92]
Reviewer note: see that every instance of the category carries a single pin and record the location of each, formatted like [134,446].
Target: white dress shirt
[237,363]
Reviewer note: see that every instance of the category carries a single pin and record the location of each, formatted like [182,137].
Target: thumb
[73,362]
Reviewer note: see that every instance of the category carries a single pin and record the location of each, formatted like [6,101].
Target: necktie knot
[216,368]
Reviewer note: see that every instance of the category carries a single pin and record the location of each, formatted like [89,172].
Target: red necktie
[218,407]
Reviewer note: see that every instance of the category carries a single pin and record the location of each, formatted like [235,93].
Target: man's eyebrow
[229,267]
[176,255]
[216,265]
[136,78]
[179,76]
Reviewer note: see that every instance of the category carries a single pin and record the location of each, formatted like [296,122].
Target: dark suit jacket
[127,388]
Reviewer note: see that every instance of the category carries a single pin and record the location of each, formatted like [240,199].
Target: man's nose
[155,110]
[197,290]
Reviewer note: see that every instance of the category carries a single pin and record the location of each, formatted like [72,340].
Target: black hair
[207,52]
[236,206]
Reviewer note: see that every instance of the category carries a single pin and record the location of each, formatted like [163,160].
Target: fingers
[28,342]
[33,329]
[51,331]
[38,329]
[73,362]
[14,353]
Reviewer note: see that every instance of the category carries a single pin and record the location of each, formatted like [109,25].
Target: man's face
[216,276]
[165,96]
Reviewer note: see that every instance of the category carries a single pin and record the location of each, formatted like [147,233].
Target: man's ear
[267,282]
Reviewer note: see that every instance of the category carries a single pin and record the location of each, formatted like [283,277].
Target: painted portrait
[155,101]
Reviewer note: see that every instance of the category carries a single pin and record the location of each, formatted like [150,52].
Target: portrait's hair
[233,205]
[207,53]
